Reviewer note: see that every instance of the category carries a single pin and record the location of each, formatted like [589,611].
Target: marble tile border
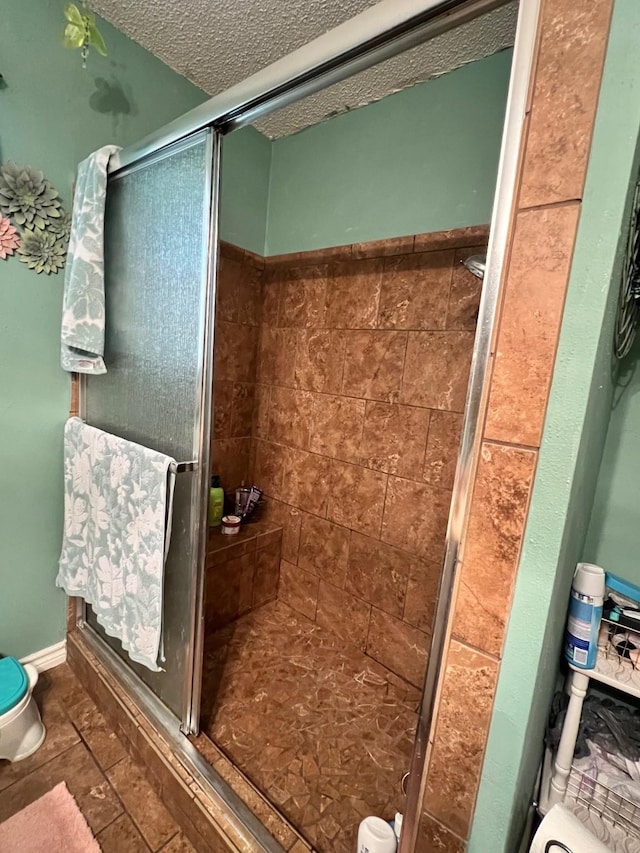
[435,241]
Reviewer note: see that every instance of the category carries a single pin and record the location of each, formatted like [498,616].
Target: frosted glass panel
[157,223]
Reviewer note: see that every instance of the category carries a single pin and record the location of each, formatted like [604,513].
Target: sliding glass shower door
[160,239]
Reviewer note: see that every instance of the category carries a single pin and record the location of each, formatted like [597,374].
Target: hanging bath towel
[83,300]
[117,525]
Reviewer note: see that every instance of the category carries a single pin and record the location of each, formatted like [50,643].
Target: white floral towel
[83,301]
[117,525]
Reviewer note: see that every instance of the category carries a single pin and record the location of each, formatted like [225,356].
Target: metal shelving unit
[612,817]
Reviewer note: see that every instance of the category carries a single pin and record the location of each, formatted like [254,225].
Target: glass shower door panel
[156,248]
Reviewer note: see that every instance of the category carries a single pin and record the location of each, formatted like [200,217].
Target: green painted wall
[246,163]
[424,159]
[52,114]
[572,446]
[613,538]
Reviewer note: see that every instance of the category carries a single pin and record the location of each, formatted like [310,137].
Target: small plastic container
[621,628]
[376,836]
[625,592]
[231,524]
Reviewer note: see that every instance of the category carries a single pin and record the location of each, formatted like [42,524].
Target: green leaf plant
[81,32]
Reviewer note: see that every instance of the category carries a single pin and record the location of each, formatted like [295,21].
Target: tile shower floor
[80,749]
[322,730]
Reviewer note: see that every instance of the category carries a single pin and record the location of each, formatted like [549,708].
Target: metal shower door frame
[199,466]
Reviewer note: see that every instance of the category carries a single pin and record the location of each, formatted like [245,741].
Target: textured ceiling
[216,43]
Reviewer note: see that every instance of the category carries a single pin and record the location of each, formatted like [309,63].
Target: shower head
[476,264]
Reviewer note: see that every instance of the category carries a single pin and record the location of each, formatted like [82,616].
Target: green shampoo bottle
[216,502]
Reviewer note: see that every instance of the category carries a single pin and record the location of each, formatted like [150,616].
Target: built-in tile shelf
[242,571]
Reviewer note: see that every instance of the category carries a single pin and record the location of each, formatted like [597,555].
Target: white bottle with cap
[585,613]
[376,836]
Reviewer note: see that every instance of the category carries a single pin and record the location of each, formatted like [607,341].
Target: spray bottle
[585,613]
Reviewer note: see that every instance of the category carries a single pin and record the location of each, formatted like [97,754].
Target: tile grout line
[384,542]
[82,741]
[116,795]
[442,825]
[476,649]
[404,367]
[40,766]
[105,770]
[426,447]
[368,399]
[550,205]
[169,840]
[366,468]
[449,291]
[126,811]
[497,442]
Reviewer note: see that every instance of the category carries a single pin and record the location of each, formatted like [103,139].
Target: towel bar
[181,467]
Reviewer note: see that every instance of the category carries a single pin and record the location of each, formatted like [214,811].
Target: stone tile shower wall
[361,378]
[236,342]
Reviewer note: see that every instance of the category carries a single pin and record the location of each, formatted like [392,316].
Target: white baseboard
[47,658]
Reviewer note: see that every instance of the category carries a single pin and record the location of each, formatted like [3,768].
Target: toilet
[21,729]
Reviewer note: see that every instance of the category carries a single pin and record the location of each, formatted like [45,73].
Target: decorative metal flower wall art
[61,227]
[27,196]
[9,240]
[41,251]
[32,219]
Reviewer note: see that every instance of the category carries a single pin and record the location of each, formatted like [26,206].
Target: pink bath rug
[54,824]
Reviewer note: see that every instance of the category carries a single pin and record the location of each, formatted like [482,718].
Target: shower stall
[281,666]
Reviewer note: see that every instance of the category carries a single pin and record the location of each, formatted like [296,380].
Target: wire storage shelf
[603,804]
[612,669]
[613,818]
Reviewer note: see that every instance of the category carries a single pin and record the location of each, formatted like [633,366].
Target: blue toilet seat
[14,683]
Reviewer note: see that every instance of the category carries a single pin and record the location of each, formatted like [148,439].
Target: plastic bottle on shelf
[216,502]
[585,613]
